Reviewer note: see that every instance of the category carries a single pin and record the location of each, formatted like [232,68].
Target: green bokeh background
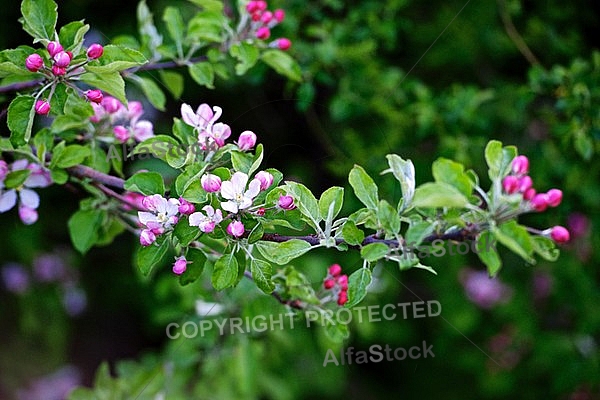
[380,77]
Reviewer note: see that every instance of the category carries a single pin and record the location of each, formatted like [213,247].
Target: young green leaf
[358,283]
[283,253]
[404,172]
[197,261]
[283,63]
[351,234]
[84,226]
[452,173]
[374,251]
[364,187]
[246,54]
[437,194]
[261,273]
[39,18]
[516,238]
[332,196]
[225,272]
[488,255]
[203,73]
[305,201]
[150,256]
[21,112]
[146,183]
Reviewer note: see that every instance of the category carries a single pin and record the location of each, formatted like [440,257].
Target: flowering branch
[81,171]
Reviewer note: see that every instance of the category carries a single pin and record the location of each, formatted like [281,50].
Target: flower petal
[29,198]
[196,218]
[189,116]
[8,200]
[253,189]
[239,180]
[146,217]
[227,190]
[230,206]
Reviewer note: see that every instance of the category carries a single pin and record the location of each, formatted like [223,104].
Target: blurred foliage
[379,78]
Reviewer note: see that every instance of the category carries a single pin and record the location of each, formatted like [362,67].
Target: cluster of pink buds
[124,122]
[337,283]
[263,20]
[520,182]
[60,66]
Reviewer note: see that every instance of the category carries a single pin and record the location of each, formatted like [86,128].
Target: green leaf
[84,226]
[434,195]
[110,82]
[351,234]
[388,218]
[150,256]
[241,161]
[487,253]
[185,233]
[246,54]
[16,178]
[146,183]
[498,158]
[175,25]
[257,160]
[71,35]
[452,173]
[516,238]
[225,272]
[364,187]
[69,156]
[545,247]
[305,201]
[404,172]
[261,274]
[283,253]
[8,68]
[173,81]
[283,63]
[203,73]
[39,18]
[416,232]
[332,197]
[374,251]
[256,233]
[357,286]
[159,146]
[195,268]
[59,176]
[21,112]
[152,91]
[206,26]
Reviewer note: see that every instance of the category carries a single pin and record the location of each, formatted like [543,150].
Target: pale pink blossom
[206,222]
[211,183]
[162,213]
[235,229]
[235,191]
[265,178]
[247,140]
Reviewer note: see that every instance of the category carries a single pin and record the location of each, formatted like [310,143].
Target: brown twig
[514,35]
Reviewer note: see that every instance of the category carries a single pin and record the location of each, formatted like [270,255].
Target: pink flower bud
[279,15]
[99,113]
[247,140]
[34,62]
[560,234]
[286,202]
[328,283]
[111,105]
[343,282]
[135,109]
[58,71]
[342,298]
[266,17]
[265,179]
[70,53]
[211,183]
[554,197]
[147,237]
[284,44]
[143,130]
[252,7]
[335,270]
[510,184]
[95,51]
[256,16]
[529,194]
[180,265]
[42,107]
[28,215]
[520,165]
[235,229]
[121,133]
[134,201]
[261,211]
[525,183]
[94,95]
[539,202]
[185,207]
[54,48]
[62,59]
[261,5]
[263,33]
